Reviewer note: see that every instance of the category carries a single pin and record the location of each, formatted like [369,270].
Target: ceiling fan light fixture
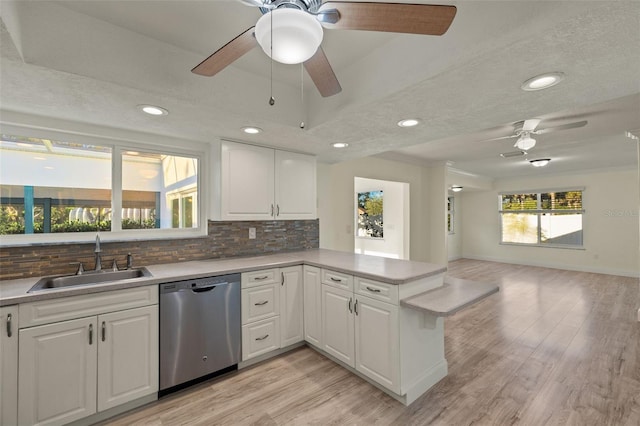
[525,142]
[542,81]
[541,162]
[456,188]
[296,35]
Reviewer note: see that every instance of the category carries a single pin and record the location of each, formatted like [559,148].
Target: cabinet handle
[271,209]
[263,337]
[9,328]
[337,280]
[104,331]
[261,278]
[375,290]
[355,307]
[349,305]
[277,209]
[282,278]
[261,303]
[91,334]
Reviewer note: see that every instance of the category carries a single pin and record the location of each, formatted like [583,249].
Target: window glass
[520,228]
[520,202]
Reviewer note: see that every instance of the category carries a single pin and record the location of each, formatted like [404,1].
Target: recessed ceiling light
[153,110]
[409,122]
[252,130]
[542,81]
[340,145]
[456,188]
[39,158]
[541,162]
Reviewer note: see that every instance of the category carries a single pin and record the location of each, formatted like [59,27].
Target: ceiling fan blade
[391,17]
[228,53]
[530,125]
[322,74]
[256,3]
[500,138]
[562,127]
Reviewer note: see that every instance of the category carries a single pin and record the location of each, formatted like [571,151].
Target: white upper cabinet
[258,183]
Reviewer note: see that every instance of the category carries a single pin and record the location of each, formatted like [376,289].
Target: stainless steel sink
[89,278]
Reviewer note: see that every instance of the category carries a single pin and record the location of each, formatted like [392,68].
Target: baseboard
[112,412]
[591,269]
[268,355]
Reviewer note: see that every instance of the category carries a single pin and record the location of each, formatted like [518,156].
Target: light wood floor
[552,347]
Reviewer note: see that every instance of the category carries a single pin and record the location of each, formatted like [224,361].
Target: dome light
[409,122]
[252,130]
[153,110]
[340,145]
[540,162]
[456,188]
[542,81]
[296,35]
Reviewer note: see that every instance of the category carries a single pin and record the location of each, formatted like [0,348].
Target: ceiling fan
[524,129]
[290,31]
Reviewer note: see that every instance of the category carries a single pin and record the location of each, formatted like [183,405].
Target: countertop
[392,271]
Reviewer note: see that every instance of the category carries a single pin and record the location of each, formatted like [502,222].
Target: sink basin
[89,278]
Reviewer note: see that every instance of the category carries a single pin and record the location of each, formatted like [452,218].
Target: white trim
[564,266]
[544,190]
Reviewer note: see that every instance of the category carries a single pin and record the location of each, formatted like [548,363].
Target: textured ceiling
[94,61]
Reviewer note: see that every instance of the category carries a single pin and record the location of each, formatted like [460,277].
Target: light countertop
[392,271]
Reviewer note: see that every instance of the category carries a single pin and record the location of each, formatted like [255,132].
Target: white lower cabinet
[363,333]
[71,369]
[291,306]
[260,337]
[312,305]
[9,365]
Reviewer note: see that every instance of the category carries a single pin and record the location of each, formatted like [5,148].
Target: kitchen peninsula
[371,315]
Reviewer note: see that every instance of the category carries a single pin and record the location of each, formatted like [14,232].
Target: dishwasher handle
[207,288]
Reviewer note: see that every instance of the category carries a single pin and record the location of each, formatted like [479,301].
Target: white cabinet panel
[312,306]
[247,179]
[127,356]
[57,372]
[337,324]
[260,302]
[295,186]
[337,279]
[376,290]
[377,341]
[9,365]
[258,278]
[291,306]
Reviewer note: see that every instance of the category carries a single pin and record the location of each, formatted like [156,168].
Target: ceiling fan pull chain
[302,109]
[272,100]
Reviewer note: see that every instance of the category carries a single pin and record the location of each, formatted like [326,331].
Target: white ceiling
[94,61]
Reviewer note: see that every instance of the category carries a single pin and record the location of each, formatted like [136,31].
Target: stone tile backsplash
[225,239]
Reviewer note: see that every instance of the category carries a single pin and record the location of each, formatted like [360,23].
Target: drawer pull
[355,307]
[337,280]
[104,331]
[9,328]
[261,303]
[263,337]
[374,290]
[91,334]
[264,277]
[349,305]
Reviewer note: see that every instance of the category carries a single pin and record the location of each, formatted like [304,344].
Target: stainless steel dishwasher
[200,329]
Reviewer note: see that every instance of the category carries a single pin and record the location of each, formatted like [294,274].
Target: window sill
[556,246]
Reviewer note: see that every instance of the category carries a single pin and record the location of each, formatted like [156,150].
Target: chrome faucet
[97,252]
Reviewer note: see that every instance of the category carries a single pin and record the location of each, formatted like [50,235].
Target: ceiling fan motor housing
[305,5]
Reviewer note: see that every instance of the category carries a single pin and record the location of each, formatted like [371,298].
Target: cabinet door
[247,180]
[127,356]
[57,372]
[312,306]
[291,300]
[9,365]
[295,186]
[337,323]
[377,341]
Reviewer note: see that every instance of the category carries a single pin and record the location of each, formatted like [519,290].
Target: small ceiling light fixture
[296,35]
[542,81]
[456,188]
[252,130]
[153,110]
[541,162]
[409,122]
[525,142]
[340,145]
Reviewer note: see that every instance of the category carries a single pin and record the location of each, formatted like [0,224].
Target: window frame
[118,147]
[538,212]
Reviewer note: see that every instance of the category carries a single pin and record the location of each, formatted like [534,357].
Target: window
[547,219]
[450,215]
[58,187]
[370,209]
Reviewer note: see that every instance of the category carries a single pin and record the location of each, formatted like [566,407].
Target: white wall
[396,241]
[610,223]
[336,201]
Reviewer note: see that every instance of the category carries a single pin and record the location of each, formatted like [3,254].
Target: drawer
[260,302]
[376,290]
[337,279]
[65,308]
[260,337]
[257,278]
